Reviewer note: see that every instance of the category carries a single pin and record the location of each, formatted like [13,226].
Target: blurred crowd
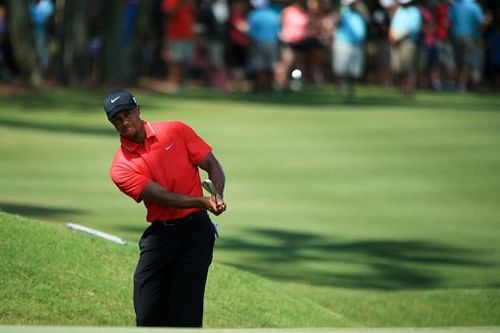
[262,45]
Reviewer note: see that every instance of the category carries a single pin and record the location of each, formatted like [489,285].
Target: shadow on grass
[368,264]
[90,101]
[367,98]
[320,99]
[70,129]
[34,211]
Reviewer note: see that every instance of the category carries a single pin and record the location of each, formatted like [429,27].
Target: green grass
[383,211]
[53,275]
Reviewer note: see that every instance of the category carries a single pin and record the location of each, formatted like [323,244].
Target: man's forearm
[153,192]
[215,172]
[219,181]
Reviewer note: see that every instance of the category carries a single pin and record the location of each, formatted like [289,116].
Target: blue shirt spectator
[407,22]
[264,24]
[352,27]
[466,17]
[40,12]
[129,19]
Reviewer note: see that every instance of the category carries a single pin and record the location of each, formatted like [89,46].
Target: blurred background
[168,45]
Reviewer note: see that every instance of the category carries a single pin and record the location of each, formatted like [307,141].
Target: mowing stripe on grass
[75,329]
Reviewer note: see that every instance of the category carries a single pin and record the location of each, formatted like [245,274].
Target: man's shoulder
[120,158]
[166,122]
[171,127]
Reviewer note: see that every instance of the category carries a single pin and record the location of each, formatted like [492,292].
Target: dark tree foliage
[22,41]
[89,42]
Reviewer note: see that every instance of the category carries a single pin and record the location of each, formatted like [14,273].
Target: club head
[209,186]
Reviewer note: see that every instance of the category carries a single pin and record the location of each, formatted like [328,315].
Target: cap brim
[119,108]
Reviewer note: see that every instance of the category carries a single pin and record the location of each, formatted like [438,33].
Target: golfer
[158,163]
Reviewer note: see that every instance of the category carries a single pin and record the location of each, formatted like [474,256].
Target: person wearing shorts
[403,35]
[263,30]
[238,44]
[446,54]
[348,46]
[466,20]
[178,48]
[295,23]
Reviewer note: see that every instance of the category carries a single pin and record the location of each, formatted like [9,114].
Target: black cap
[117,101]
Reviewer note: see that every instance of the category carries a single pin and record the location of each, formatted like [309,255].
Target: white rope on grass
[96,233]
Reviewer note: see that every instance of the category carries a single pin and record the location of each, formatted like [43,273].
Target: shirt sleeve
[196,147]
[129,181]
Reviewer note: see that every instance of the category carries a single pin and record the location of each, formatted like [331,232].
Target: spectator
[264,24]
[494,54]
[40,12]
[178,39]
[238,44]
[213,17]
[320,40]
[467,18]
[293,35]
[428,65]
[382,19]
[348,47]
[446,56]
[403,35]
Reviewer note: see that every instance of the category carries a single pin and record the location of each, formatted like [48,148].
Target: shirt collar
[133,146]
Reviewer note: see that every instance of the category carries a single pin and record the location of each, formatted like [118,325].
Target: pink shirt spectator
[295,21]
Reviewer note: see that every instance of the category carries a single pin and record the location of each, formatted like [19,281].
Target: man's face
[128,124]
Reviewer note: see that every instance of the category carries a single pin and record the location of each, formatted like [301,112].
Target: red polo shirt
[169,156]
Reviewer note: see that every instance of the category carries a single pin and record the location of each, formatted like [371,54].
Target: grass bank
[52,275]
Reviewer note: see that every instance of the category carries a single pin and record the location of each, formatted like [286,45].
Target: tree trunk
[23,44]
[113,50]
[74,38]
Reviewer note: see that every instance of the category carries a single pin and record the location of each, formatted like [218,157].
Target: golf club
[209,186]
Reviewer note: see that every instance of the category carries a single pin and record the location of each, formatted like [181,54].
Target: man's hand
[221,205]
[213,204]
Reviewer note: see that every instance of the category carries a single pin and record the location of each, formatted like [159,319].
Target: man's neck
[140,137]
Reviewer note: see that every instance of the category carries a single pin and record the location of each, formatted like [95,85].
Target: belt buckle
[167,224]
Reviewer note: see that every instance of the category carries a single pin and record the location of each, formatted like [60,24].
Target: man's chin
[129,133]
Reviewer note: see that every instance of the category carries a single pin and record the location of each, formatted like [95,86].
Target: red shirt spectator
[180,18]
[442,22]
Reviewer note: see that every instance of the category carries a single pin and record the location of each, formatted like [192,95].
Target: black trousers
[170,277]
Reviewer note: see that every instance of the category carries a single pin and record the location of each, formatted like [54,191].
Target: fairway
[377,212]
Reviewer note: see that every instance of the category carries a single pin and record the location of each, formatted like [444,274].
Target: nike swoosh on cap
[115,99]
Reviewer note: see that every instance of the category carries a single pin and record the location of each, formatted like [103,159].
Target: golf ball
[297,74]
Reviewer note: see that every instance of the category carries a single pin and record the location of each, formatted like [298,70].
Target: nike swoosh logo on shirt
[168,147]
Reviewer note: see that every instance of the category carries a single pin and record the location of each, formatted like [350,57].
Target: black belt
[182,220]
